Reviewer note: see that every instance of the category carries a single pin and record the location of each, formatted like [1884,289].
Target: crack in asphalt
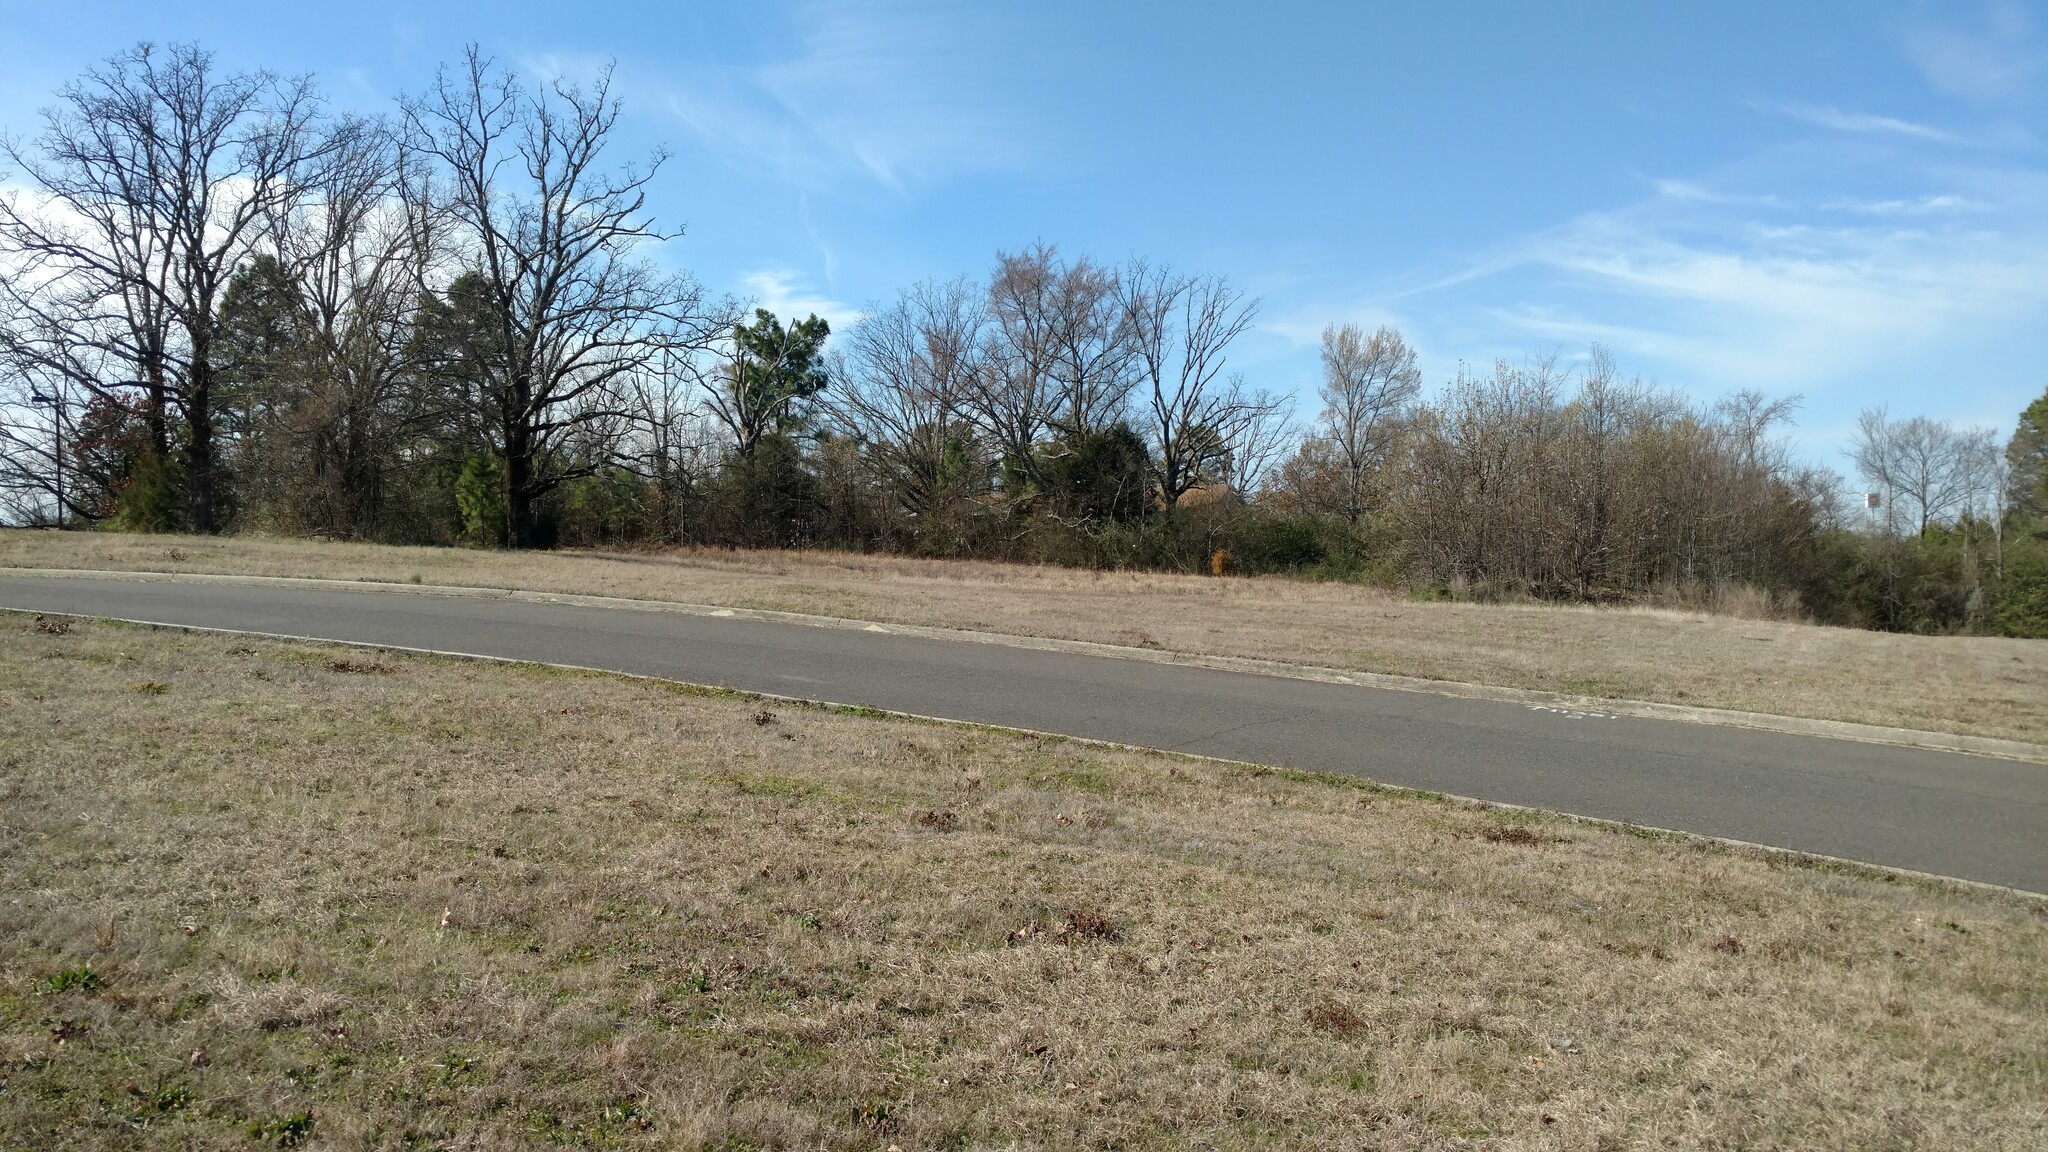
[1188,744]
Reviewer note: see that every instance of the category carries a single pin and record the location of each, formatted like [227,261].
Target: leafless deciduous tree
[571,314]
[1367,382]
[153,176]
[909,370]
[1267,436]
[39,483]
[1060,353]
[672,443]
[1179,329]
[1585,485]
[327,431]
[1928,471]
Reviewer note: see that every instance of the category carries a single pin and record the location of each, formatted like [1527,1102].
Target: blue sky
[1843,200]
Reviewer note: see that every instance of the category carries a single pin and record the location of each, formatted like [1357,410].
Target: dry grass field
[267,894]
[1974,685]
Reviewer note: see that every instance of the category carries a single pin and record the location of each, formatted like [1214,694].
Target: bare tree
[332,422]
[1596,487]
[1179,329]
[571,316]
[1059,354]
[1367,382]
[1932,467]
[1262,441]
[673,443]
[909,370]
[1747,417]
[41,369]
[153,176]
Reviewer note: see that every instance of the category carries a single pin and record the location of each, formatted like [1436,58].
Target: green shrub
[2019,604]
[480,496]
[153,497]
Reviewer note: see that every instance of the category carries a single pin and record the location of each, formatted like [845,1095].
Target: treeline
[226,307]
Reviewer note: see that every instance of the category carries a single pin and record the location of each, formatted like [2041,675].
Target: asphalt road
[1957,815]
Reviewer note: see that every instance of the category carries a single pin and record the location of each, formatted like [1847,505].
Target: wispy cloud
[1303,327]
[898,95]
[1690,192]
[1839,120]
[1943,205]
[1794,307]
[783,292]
[1996,59]
[1847,300]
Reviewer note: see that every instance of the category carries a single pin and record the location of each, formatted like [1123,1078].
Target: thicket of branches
[224,306]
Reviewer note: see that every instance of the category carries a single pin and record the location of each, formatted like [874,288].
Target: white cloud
[781,291]
[1912,206]
[1303,327]
[1839,120]
[1686,190]
[2000,61]
[1787,307]
[897,95]
[1924,302]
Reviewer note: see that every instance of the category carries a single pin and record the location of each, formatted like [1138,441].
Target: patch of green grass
[283,1131]
[767,784]
[1074,778]
[160,1099]
[79,979]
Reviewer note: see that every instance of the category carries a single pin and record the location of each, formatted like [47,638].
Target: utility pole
[56,403]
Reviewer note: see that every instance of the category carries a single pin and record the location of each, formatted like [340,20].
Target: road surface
[1973,817]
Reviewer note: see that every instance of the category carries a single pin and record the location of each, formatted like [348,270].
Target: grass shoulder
[1978,686]
[301,893]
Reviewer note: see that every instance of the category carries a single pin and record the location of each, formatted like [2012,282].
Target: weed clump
[79,979]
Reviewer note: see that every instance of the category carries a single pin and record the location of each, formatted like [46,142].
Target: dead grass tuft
[1338,1020]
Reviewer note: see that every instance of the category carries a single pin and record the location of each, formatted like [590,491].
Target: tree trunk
[157,404]
[199,462]
[519,514]
[518,492]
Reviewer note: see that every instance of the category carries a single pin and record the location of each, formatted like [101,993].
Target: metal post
[56,403]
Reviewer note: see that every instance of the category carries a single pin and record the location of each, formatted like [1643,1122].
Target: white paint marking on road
[720,612]
[1572,713]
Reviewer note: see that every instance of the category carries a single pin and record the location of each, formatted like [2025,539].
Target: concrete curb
[1527,697]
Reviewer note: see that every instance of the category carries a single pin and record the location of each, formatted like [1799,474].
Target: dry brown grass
[1978,686]
[469,906]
